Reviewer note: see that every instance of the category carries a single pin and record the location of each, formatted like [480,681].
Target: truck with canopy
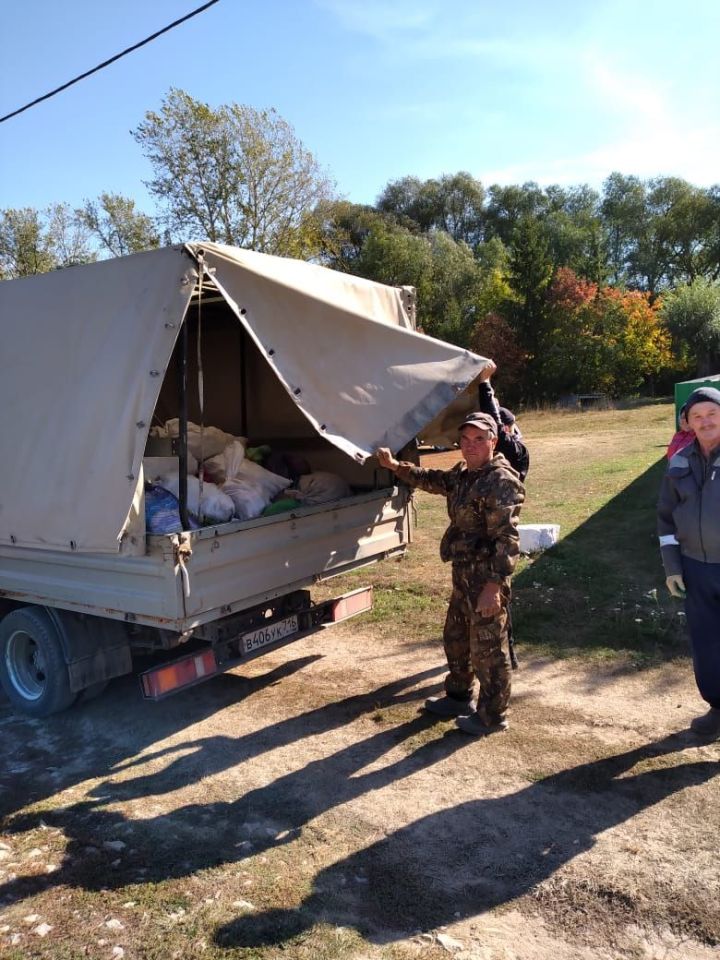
[107,365]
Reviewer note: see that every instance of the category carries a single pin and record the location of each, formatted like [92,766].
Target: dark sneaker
[449,706]
[708,725]
[474,726]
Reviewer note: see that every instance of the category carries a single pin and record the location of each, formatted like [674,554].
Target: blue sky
[547,90]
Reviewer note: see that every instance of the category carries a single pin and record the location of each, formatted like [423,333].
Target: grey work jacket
[689,509]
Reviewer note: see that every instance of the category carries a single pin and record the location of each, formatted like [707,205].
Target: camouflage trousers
[477,646]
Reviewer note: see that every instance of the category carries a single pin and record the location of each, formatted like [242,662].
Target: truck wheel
[33,671]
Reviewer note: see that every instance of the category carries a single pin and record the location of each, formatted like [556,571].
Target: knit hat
[702,395]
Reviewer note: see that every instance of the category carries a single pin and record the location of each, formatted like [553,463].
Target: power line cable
[107,63]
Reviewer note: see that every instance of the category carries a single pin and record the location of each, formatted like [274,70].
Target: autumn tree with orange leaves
[602,339]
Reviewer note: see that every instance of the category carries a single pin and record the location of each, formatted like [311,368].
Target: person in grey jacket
[689,531]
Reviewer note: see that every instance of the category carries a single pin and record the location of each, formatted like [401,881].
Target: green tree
[652,260]
[691,219]
[393,255]
[450,308]
[622,208]
[492,255]
[409,202]
[34,241]
[343,228]
[662,232]
[452,204]
[233,175]
[711,247]
[24,246]
[529,276]
[575,231]
[692,314]
[507,205]
[445,274]
[119,228]
[458,207]
[67,236]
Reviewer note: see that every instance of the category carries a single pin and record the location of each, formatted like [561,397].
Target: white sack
[320,487]
[214,469]
[252,487]
[248,501]
[214,440]
[535,537]
[234,456]
[226,464]
[265,482]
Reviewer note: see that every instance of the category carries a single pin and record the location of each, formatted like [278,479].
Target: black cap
[483,421]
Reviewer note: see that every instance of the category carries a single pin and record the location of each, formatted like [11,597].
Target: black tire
[33,671]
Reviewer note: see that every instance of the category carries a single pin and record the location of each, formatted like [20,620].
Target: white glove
[676,585]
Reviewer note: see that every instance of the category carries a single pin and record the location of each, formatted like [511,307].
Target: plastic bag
[162,511]
[215,507]
[280,506]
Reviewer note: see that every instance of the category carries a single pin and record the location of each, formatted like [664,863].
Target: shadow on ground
[602,587]
[492,851]
[91,740]
[196,836]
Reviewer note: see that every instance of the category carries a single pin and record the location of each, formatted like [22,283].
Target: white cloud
[571,106]
[679,150]
[379,19]
[637,95]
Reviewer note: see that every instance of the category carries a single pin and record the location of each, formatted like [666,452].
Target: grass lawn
[601,590]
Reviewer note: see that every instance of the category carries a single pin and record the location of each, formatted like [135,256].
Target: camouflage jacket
[483,506]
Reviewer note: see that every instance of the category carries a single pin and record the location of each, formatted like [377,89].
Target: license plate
[273,632]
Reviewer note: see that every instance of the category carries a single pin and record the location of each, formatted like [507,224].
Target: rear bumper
[242,637]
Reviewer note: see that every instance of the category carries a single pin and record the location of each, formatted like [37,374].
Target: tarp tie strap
[182,550]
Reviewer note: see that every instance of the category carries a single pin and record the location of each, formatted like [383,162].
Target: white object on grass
[535,537]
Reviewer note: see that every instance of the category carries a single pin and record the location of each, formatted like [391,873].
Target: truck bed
[233,565]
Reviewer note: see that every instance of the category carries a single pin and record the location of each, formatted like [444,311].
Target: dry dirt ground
[311,790]
[305,807]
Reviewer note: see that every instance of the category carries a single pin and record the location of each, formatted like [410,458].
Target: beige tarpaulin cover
[85,349]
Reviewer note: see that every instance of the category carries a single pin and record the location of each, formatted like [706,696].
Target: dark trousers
[702,609]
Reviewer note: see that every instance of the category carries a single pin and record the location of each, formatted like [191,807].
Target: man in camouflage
[484,495]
